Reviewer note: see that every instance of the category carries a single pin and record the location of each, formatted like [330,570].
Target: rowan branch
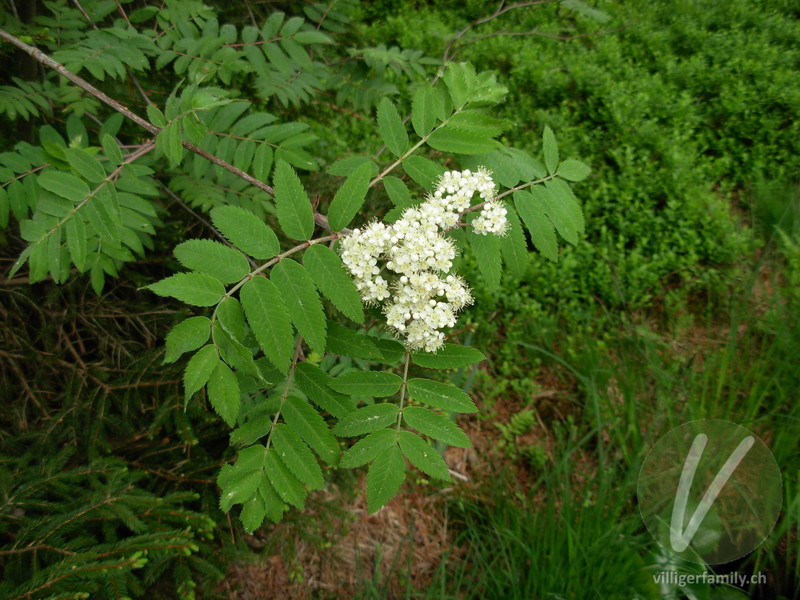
[124,110]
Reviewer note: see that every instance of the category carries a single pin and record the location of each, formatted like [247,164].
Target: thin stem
[285,393]
[413,148]
[88,87]
[403,387]
[79,81]
[501,9]
[522,186]
[278,258]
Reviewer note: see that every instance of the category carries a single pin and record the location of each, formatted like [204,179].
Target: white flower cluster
[424,299]
[491,220]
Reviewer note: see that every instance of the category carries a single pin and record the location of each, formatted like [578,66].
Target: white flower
[492,219]
[421,299]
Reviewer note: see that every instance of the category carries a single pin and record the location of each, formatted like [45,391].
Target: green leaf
[246,231]
[85,165]
[186,336]
[513,245]
[275,506]
[213,258]
[294,209]
[350,197]
[550,150]
[441,395]
[367,383]
[450,356]
[296,157]
[391,127]
[76,237]
[223,393]
[486,250]
[477,122]
[563,209]
[196,289]
[169,140]
[384,478]
[367,449]
[347,342]
[199,369]
[288,487]
[302,302]
[425,172]
[457,81]
[314,382]
[230,316]
[237,486]
[262,162]
[398,191]
[111,150]
[543,235]
[311,427]
[345,166]
[64,185]
[436,426]
[392,351]
[297,457]
[253,512]
[423,110]
[155,116]
[330,277]
[366,420]
[460,141]
[248,433]
[269,320]
[443,103]
[573,170]
[232,351]
[312,37]
[423,456]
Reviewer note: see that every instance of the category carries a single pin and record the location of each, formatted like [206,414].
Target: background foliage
[681,301]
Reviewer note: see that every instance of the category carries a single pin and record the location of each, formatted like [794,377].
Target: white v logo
[680,540]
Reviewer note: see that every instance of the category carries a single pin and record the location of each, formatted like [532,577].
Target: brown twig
[501,9]
[124,110]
